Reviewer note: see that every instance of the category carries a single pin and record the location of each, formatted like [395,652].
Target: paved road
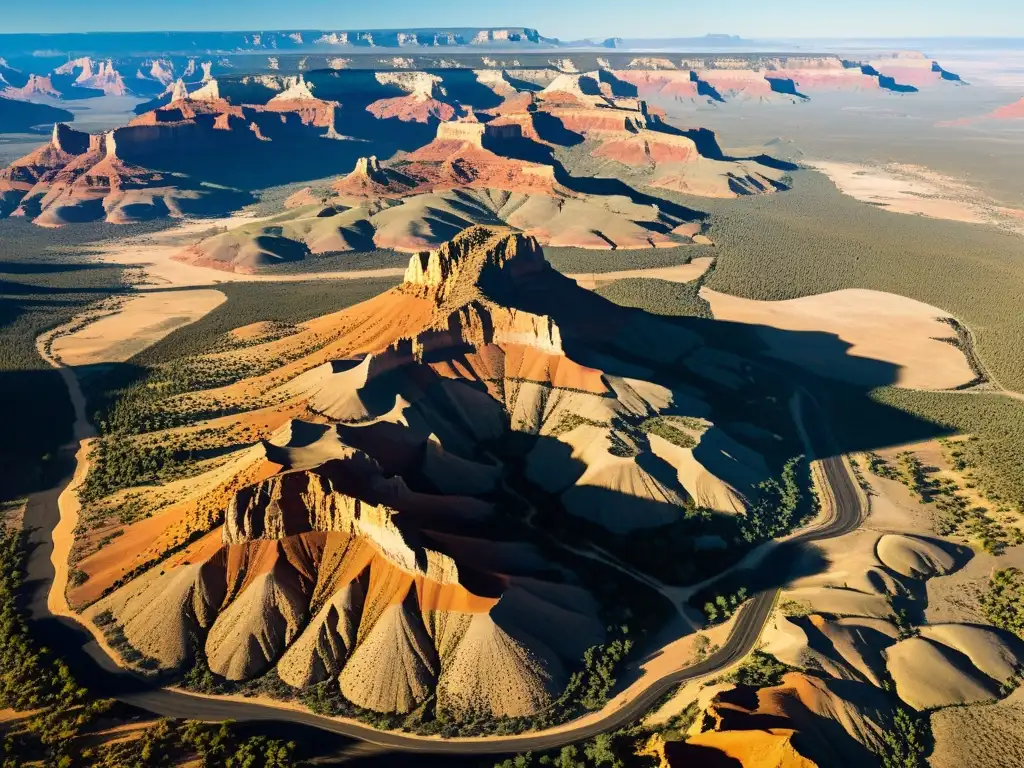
[98,672]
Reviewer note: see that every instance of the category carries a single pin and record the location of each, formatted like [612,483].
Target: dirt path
[82,436]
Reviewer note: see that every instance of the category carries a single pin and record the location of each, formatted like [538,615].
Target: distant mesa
[562,138]
[97,75]
[79,177]
[36,86]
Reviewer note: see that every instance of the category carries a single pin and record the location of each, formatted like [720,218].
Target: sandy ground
[153,254]
[683,273]
[140,322]
[913,189]
[983,735]
[877,326]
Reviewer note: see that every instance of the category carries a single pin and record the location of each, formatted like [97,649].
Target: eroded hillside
[378,499]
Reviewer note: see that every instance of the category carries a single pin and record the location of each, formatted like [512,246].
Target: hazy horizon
[650,19]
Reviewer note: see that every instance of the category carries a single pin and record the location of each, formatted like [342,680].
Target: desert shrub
[569,421]
[795,608]
[32,678]
[1003,600]
[904,744]
[589,261]
[760,670]
[672,428]
[995,450]
[118,462]
[880,467]
[912,475]
[779,505]
[213,745]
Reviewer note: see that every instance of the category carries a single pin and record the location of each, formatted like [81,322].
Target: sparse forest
[659,297]
[41,287]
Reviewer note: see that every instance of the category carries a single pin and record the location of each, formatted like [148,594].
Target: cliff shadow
[816,361]
[619,88]
[708,146]
[551,129]
[603,186]
[243,162]
[462,85]
[520,84]
[706,89]
[885,82]
[889,84]
[785,85]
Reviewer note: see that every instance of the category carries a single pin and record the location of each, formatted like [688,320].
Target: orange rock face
[803,722]
[80,177]
[769,748]
[592,119]
[412,109]
[369,179]
[453,163]
[662,83]
[649,147]
[311,112]
[737,83]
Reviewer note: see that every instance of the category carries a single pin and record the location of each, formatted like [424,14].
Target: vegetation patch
[780,504]
[955,514]
[722,607]
[675,429]
[1003,601]
[659,297]
[760,670]
[574,261]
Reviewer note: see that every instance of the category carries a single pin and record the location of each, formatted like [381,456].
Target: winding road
[99,672]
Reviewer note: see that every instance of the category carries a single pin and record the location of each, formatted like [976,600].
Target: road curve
[102,675]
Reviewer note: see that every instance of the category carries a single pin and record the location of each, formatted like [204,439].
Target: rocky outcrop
[395,666]
[80,177]
[298,99]
[101,75]
[476,257]
[37,85]
[363,549]
[413,108]
[837,722]
[324,646]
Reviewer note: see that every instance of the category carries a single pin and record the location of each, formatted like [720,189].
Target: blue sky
[557,18]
